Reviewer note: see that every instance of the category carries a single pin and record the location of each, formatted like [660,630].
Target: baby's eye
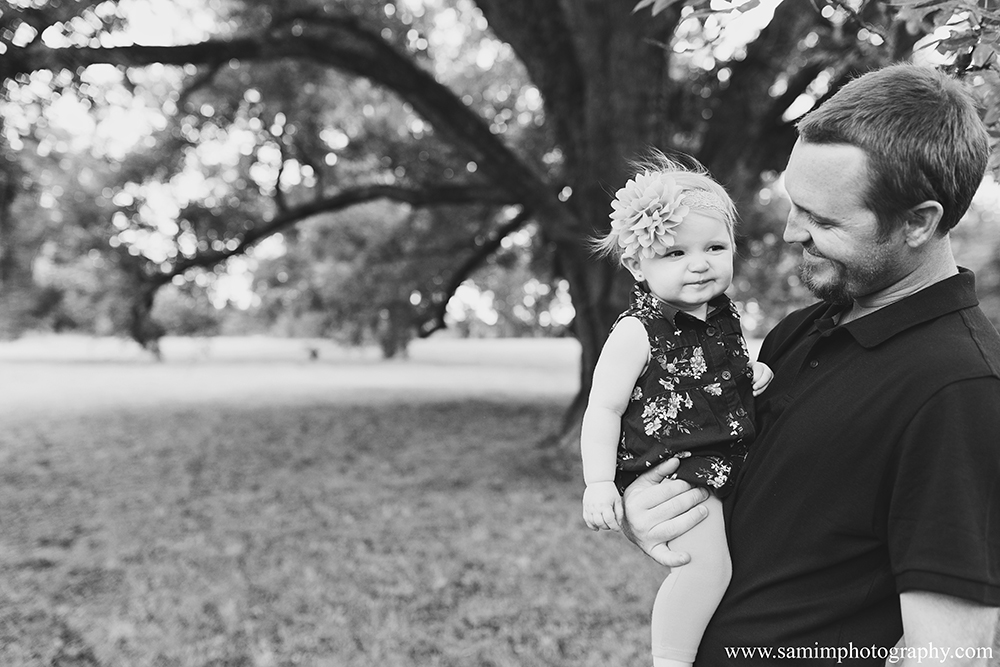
[718,247]
[674,253]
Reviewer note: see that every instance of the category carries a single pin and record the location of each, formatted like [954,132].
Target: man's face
[843,255]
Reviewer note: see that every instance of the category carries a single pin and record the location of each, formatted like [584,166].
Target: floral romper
[694,399]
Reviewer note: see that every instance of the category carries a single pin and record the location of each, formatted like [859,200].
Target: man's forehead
[825,175]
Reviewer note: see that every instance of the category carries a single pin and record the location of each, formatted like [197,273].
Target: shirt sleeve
[944,506]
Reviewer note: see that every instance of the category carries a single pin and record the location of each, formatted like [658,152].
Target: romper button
[710,331]
[726,375]
[813,364]
[740,412]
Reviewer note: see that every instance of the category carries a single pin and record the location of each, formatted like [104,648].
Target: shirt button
[813,364]
[711,331]
[726,375]
[740,412]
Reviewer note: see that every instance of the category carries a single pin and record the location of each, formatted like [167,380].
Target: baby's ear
[632,264]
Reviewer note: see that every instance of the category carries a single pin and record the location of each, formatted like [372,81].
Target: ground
[241,505]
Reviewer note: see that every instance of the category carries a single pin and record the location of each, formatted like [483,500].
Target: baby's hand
[762,376]
[602,506]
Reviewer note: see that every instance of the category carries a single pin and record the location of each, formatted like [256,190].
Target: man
[869,507]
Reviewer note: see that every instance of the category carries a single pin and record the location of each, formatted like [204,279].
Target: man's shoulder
[984,336]
[964,341]
[946,321]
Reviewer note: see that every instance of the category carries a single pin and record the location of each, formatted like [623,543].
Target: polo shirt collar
[641,292]
[943,297]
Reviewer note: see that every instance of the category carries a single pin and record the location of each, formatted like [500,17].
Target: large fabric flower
[645,213]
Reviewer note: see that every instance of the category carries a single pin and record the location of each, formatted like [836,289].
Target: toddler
[674,380]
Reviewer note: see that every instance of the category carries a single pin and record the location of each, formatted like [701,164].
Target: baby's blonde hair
[700,192]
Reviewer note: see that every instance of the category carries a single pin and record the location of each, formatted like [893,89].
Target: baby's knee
[713,566]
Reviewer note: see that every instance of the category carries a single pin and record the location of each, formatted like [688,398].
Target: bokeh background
[298,312]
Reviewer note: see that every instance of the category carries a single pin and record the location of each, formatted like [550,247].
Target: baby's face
[697,268]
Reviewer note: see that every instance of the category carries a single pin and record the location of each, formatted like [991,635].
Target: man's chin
[832,294]
[828,288]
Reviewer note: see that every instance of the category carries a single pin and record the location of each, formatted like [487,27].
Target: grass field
[239,505]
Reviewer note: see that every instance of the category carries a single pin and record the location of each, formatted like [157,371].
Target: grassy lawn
[346,512]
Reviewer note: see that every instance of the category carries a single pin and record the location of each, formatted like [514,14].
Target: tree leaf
[658,5]
[957,42]
[982,54]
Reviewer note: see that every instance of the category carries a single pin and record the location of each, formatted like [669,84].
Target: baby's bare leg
[690,593]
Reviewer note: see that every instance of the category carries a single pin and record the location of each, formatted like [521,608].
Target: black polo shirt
[876,470]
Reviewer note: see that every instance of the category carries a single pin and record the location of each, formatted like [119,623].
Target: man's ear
[632,264]
[922,223]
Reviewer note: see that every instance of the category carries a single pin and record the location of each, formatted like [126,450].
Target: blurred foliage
[966,33]
[133,196]
[263,139]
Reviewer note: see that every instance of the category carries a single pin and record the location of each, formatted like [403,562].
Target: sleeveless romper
[694,399]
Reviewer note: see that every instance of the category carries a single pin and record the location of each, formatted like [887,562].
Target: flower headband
[649,207]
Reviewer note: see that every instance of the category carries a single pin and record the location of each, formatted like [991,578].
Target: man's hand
[602,506]
[658,509]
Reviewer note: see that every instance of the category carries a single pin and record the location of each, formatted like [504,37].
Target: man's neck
[937,265]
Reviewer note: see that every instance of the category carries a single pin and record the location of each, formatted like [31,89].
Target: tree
[601,84]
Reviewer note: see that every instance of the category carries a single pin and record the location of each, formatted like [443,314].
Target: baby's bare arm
[762,376]
[620,364]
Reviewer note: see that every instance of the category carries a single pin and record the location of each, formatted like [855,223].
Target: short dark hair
[921,134]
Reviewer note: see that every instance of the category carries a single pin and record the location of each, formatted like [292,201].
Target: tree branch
[445,194]
[480,254]
[201,80]
[798,84]
[344,43]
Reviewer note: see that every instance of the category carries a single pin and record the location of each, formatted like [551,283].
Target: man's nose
[794,232]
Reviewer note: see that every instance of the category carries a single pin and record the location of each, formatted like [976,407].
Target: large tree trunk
[18,294]
[604,75]
[8,256]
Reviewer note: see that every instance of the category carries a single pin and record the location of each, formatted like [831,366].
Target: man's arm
[943,531]
[658,509]
[966,630]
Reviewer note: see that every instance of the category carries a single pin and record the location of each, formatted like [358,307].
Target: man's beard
[849,282]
